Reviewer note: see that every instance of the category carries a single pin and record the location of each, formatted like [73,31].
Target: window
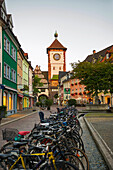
[14,76]
[5,43]
[10,101]
[8,46]
[5,99]
[107,56]
[8,72]
[53,68]
[4,70]
[14,54]
[59,68]
[12,51]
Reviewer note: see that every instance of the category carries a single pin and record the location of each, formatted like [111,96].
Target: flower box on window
[84,92]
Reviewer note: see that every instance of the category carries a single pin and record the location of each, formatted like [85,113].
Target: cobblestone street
[95,159]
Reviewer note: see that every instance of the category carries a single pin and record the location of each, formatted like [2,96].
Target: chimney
[26,55]
[94,51]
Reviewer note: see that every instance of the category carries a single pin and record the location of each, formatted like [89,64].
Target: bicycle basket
[9,134]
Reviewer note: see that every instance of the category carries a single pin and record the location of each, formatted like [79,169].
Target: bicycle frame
[51,157]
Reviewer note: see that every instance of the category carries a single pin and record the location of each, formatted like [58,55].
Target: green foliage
[26,88]
[55,77]
[37,104]
[3,108]
[48,102]
[97,77]
[56,96]
[72,102]
[36,84]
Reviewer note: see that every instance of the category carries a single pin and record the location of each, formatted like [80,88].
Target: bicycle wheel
[82,156]
[71,158]
[59,165]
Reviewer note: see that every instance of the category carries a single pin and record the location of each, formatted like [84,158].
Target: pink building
[77,91]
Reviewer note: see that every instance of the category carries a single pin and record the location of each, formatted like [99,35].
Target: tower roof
[56,45]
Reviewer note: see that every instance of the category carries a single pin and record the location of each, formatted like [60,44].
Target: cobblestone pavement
[95,159]
[104,126]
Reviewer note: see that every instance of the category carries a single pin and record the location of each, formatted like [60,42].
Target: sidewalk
[24,113]
[19,114]
[101,128]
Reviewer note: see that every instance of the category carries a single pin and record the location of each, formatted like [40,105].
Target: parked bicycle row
[54,143]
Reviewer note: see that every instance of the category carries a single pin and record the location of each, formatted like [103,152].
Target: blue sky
[82,26]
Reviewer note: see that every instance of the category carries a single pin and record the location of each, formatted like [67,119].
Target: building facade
[8,61]
[78,92]
[43,75]
[25,82]
[101,56]
[31,98]
[20,58]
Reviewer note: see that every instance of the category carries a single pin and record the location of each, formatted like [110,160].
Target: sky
[82,26]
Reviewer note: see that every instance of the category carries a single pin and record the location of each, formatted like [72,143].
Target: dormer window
[107,56]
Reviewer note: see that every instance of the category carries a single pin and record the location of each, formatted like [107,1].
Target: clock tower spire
[55,34]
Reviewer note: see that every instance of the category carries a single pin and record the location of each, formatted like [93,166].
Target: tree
[36,85]
[48,103]
[72,102]
[56,96]
[97,77]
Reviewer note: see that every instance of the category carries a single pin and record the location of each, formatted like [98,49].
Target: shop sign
[66,90]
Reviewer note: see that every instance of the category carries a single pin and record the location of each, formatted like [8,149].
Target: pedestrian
[41,114]
[99,101]
[91,102]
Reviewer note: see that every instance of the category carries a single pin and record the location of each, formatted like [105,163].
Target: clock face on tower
[56,56]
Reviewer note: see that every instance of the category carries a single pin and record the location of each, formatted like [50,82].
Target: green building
[8,61]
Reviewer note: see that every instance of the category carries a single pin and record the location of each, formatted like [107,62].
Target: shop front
[10,101]
[19,101]
[25,101]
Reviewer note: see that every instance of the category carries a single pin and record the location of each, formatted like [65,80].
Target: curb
[102,146]
[10,121]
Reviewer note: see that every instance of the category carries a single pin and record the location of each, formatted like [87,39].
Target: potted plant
[2,112]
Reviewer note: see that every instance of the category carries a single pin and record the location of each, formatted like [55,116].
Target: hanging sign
[66,90]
